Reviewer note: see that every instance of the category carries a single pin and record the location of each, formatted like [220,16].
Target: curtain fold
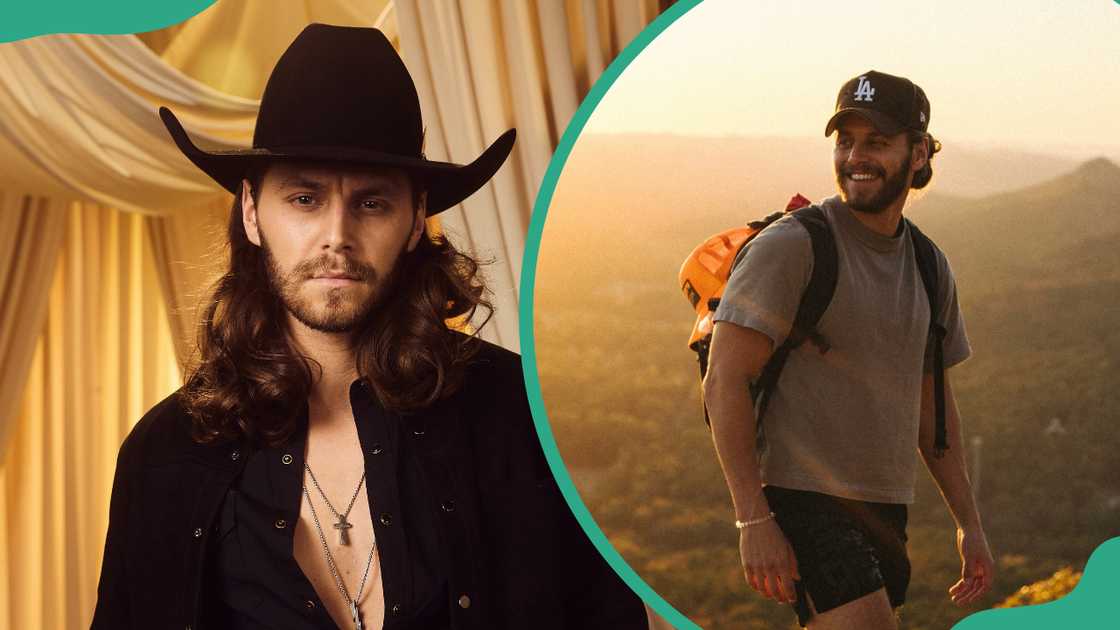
[101,357]
[31,230]
[483,66]
[82,109]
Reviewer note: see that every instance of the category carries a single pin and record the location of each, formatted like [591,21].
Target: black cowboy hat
[342,94]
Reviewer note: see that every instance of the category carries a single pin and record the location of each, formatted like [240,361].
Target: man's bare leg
[870,612]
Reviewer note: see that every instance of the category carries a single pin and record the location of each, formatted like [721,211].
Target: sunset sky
[1031,74]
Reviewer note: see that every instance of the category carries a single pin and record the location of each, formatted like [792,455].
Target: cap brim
[883,123]
[447,184]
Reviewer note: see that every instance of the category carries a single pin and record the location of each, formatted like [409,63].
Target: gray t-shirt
[844,423]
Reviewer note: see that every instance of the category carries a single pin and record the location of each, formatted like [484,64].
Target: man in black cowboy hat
[340,454]
[821,505]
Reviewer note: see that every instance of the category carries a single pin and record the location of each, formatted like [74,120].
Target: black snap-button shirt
[260,583]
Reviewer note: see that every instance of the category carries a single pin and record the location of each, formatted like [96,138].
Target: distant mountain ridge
[807,162]
[714,181]
[673,192]
[1065,229]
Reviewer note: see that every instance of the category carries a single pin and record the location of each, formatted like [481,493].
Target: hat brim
[447,184]
[882,122]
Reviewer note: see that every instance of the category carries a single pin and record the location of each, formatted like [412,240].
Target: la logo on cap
[864,91]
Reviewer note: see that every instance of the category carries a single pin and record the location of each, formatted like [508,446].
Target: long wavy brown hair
[249,383]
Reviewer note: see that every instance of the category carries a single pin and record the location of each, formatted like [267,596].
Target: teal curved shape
[528,282]
[30,18]
[1089,605]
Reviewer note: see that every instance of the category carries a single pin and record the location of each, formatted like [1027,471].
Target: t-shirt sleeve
[768,279]
[957,347]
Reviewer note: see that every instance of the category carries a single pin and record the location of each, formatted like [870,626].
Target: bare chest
[334,540]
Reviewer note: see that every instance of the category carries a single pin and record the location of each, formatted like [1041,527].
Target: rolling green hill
[1037,276]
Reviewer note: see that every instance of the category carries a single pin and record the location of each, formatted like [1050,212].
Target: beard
[892,188]
[343,308]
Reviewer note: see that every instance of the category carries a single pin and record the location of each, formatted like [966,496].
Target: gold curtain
[100,359]
[31,231]
[483,66]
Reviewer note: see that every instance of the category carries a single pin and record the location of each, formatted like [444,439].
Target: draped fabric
[82,109]
[110,238]
[31,230]
[103,356]
[482,66]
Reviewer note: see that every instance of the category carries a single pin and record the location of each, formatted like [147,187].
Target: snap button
[198,532]
[280,523]
[418,432]
[386,519]
[448,506]
[376,450]
[287,459]
[464,601]
[236,455]
[396,609]
[310,605]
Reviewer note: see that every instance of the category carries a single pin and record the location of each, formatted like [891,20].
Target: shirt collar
[846,220]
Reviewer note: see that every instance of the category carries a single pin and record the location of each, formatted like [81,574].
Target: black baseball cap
[891,103]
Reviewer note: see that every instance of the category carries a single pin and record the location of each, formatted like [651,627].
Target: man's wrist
[752,508]
[754,521]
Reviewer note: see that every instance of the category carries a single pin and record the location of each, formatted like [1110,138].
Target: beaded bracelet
[756,521]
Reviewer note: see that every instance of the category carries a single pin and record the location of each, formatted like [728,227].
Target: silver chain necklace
[342,525]
[351,601]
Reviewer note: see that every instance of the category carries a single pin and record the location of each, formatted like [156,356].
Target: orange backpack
[704,274]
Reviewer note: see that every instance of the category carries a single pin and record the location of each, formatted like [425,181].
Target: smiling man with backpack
[843,318]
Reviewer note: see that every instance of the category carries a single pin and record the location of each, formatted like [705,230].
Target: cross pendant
[342,525]
[356,615]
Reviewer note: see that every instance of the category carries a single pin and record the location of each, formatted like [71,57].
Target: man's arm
[951,476]
[737,356]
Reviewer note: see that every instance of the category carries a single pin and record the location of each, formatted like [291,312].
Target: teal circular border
[31,18]
[528,284]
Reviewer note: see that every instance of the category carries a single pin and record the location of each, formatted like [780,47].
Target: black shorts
[845,549]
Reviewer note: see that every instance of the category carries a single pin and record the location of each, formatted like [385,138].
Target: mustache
[326,264]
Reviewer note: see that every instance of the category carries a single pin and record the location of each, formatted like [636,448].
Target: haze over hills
[675,191]
[758,174]
[1059,231]
[1037,270]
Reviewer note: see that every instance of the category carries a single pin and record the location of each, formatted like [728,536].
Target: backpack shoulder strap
[925,254]
[819,302]
[822,282]
[814,302]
